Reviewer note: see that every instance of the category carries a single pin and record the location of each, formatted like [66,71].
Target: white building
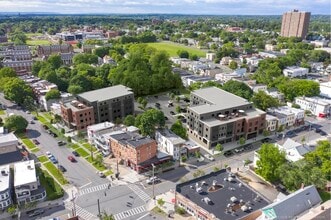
[316,105]
[170,143]
[294,71]
[5,192]
[285,119]
[8,143]
[270,47]
[325,89]
[259,87]
[210,56]
[294,151]
[272,123]
[26,183]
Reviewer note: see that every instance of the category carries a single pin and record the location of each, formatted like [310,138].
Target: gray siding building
[109,103]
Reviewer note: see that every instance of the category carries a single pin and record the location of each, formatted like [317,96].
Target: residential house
[77,115]
[108,60]
[109,103]
[26,183]
[272,123]
[190,79]
[294,72]
[325,89]
[216,116]
[169,143]
[259,87]
[270,54]
[285,119]
[316,105]
[270,47]
[294,151]
[5,187]
[210,56]
[320,43]
[226,60]
[273,92]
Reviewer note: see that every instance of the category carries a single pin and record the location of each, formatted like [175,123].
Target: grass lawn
[100,168]
[43,159]
[53,189]
[47,115]
[33,34]
[89,147]
[75,146]
[2,112]
[35,150]
[108,172]
[35,42]
[82,152]
[55,172]
[44,121]
[28,143]
[172,48]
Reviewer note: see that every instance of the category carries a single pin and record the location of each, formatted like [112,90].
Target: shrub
[180,211]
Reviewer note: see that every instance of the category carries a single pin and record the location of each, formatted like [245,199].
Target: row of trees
[315,168]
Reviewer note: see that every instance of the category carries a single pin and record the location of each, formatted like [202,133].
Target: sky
[207,7]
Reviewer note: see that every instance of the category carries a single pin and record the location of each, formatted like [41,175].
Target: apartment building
[53,49]
[295,24]
[76,115]
[16,55]
[21,67]
[109,103]
[26,183]
[294,72]
[216,116]
[5,187]
[316,105]
[134,150]
[170,143]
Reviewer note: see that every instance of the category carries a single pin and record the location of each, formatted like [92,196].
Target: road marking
[129,213]
[143,216]
[139,192]
[85,185]
[93,189]
[82,213]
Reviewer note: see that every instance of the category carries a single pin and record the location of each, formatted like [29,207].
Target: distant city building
[26,183]
[53,49]
[316,105]
[294,71]
[67,58]
[295,24]
[21,67]
[109,103]
[216,116]
[5,187]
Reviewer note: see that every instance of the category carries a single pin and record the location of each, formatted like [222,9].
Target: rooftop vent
[214,182]
[199,190]
[4,173]
[207,200]
[233,199]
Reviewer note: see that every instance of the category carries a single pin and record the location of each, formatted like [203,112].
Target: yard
[172,48]
[55,172]
[53,189]
[82,152]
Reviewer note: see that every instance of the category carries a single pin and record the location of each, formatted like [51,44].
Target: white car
[209,157]
[49,154]
[152,179]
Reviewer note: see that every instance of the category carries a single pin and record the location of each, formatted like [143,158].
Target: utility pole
[74,205]
[153,182]
[99,209]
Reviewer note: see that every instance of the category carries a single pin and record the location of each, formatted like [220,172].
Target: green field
[2,112]
[33,42]
[55,172]
[172,48]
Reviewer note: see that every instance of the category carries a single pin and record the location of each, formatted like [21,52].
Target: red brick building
[77,115]
[133,149]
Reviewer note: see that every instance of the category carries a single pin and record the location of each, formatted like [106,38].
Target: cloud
[166,6]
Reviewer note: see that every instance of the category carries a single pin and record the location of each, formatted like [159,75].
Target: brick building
[133,149]
[295,24]
[77,115]
[216,116]
[54,49]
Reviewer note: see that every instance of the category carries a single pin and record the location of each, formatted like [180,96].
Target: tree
[52,94]
[106,216]
[299,87]
[233,65]
[270,159]
[75,89]
[98,161]
[178,109]
[7,72]
[129,120]
[85,58]
[16,123]
[11,209]
[19,38]
[101,51]
[238,88]
[14,90]
[148,121]
[242,141]
[179,129]
[218,147]
[264,101]
[183,54]
[54,61]
[160,202]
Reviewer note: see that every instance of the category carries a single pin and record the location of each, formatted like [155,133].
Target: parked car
[53,134]
[53,159]
[228,153]
[35,141]
[165,118]
[249,146]
[31,122]
[153,179]
[101,174]
[75,153]
[27,112]
[35,212]
[172,113]
[61,143]
[209,157]
[239,150]
[45,127]
[323,133]
[62,169]
[71,158]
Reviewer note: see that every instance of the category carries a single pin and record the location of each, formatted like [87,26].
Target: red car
[71,158]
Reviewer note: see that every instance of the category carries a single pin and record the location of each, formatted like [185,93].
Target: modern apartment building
[109,103]
[134,150]
[5,186]
[295,24]
[216,116]
[76,115]
[26,183]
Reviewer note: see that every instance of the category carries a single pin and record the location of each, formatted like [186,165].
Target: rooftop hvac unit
[199,190]
[206,200]
[203,183]
[214,182]
[233,199]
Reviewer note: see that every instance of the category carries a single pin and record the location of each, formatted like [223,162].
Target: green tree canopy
[148,121]
[179,129]
[16,123]
[299,87]
[238,88]
[129,120]
[54,61]
[7,72]
[16,90]
[19,38]
[52,94]
[270,159]
[85,58]
[233,65]
[264,101]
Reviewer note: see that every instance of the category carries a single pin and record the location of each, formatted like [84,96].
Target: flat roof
[8,139]
[219,98]
[100,126]
[229,188]
[106,93]
[172,137]
[4,178]
[24,173]
[132,139]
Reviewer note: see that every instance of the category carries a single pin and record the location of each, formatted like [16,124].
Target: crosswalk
[139,192]
[131,212]
[93,189]
[82,213]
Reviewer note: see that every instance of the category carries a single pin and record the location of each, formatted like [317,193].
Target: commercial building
[293,116]
[294,71]
[133,149]
[5,187]
[170,143]
[76,115]
[272,123]
[218,195]
[109,103]
[26,183]
[316,105]
[325,89]
[295,24]
[216,116]
[293,205]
